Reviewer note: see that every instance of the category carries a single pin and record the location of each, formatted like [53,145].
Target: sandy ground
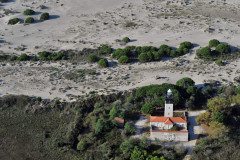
[50,80]
[76,24]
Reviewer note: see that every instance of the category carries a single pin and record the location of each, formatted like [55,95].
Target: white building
[168,127]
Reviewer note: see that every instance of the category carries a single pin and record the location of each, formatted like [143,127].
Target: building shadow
[191,124]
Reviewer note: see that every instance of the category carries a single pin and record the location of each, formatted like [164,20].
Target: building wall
[161,125]
[168,112]
[169,136]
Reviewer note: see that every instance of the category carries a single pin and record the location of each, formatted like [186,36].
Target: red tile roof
[119,120]
[168,120]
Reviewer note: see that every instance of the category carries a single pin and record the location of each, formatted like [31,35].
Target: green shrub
[129,129]
[123,60]
[58,56]
[143,57]
[165,50]
[82,145]
[204,53]
[223,48]
[92,58]
[157,55]
[118,53]
[13,21]
[29,12]
[104,49]
[185,82]
[126,40]
[213,43]
[44,16]
[44,56]
[29,20]
[103,63]
[186,44]
[23,57]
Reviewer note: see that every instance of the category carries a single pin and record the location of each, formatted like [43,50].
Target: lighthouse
[168,111]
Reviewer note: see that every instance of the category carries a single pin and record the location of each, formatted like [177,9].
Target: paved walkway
[140,126]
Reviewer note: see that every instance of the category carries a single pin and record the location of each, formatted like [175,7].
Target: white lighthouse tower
[168,112]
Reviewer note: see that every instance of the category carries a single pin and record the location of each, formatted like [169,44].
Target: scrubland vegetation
[86,128]
[28,12]
[221,121]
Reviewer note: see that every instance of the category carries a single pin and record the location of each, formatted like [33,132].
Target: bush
[186,44]
[165,50]
[44,56]
[157,55]
[143,57]
[103,63]
[29,12]
[223,48]
[13,21]
[185,82]
[92,58]
[213,43]
[123,59]
[104,49]
[147,108]
[129,129]
[23,57]
[204,53]
[126,40]
[118,53]
[44,16]
[82,145]
[29,20]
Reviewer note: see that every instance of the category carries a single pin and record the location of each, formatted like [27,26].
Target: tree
[92,58]
[29,20]
[213,43]
[103,63]
[129,129]
[223,48]
[123,59]
[185,82]
[143,57]
[29,12]
[147,108]
[44,16]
